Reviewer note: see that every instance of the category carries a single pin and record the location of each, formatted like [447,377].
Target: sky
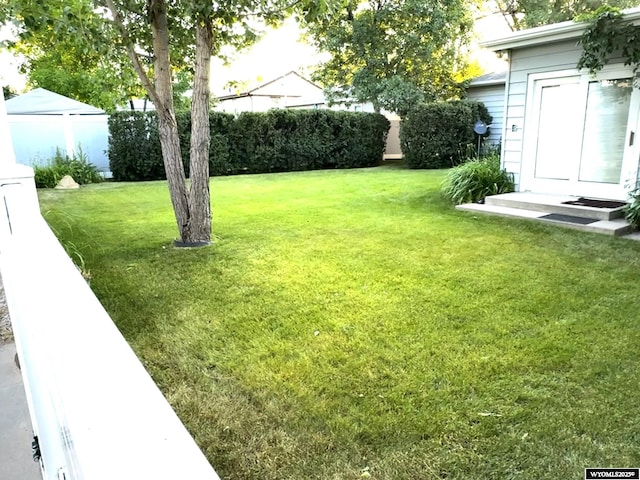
[277,53]
[282,50]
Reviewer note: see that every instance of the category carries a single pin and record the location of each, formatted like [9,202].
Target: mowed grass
[349,324]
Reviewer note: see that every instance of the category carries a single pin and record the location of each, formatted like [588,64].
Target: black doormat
[594,202]
[558,217]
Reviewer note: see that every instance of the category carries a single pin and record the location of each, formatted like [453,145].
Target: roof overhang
[549,33]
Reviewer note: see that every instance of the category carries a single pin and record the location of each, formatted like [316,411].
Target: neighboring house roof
[263,89]
[489,79]
[549,33]
[43,102]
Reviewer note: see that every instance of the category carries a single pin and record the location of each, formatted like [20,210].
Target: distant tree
[393,53]
[8,92]
[522,14]
[68,49]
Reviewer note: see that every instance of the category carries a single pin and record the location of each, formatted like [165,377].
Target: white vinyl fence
[95,410]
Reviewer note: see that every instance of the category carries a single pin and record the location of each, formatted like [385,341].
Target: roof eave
[549,33]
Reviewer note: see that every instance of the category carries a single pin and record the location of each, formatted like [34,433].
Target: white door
[582,135]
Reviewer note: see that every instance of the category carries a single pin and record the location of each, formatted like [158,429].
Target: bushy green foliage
[78,166]
[274,141]
[476,179]
[134,147]
[440,134]
[632,210]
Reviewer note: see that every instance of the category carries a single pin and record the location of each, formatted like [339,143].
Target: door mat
[595,203]
[558,217]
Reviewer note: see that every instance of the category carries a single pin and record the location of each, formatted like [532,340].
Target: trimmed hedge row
[439,135]
[274,141]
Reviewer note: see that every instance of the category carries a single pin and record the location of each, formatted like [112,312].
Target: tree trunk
[192,208]
[199,227]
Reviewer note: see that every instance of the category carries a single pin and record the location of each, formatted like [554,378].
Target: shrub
[632,210]
[439,135]
[134,147]
[291,140]
[274,141]
[476,179]
[78,166]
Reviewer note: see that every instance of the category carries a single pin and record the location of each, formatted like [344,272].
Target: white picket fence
[95,410]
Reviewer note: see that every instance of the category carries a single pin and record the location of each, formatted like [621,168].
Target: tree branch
[133,55]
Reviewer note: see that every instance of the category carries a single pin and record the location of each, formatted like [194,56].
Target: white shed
[41,121]
[568,132]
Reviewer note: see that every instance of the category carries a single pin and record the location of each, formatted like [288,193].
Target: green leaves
[523,14]
[608,34]
[440,134]
[475,180]
[392,53]
[253,142]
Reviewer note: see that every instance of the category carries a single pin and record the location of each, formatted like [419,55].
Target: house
[272,94]
[489,89]
[565,131]
[61,123]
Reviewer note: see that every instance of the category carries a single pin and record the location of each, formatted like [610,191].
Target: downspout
[507,83]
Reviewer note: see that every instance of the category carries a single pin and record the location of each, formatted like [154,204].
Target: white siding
[493,98]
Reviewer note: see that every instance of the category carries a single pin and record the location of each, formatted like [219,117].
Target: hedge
[439,135]
[274,141]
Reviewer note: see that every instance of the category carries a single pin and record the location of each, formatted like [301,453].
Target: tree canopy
[393,53]
[522,14]
[68,48]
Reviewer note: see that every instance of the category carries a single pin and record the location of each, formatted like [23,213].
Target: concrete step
[616,227]
[553,204]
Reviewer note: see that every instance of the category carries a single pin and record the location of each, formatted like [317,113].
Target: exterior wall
[290,85]
[249,104]
[7,155]
[493,98]
[91,132]
[523,62]
[393,149]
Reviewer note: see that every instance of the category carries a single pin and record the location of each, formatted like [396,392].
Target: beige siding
[493,98]
[392,150]
[524,62]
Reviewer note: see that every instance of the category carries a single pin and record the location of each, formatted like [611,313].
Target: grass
[349,324]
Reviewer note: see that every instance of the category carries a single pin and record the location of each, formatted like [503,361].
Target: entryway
[582,135]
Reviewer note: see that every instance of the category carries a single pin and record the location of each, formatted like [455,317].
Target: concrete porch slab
[533,206]
[553,204]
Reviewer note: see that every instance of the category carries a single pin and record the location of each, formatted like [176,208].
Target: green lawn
[348,324]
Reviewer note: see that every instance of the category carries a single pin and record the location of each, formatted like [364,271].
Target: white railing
[95,410]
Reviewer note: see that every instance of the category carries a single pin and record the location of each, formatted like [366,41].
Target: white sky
[277,53]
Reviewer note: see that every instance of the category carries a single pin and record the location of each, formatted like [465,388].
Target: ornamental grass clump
[632,210]
[476,179]
[77,166]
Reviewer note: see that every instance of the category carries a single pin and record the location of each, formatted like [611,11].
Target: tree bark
[199,226]
[167,125]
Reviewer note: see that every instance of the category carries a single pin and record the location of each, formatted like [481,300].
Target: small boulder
[67,183]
